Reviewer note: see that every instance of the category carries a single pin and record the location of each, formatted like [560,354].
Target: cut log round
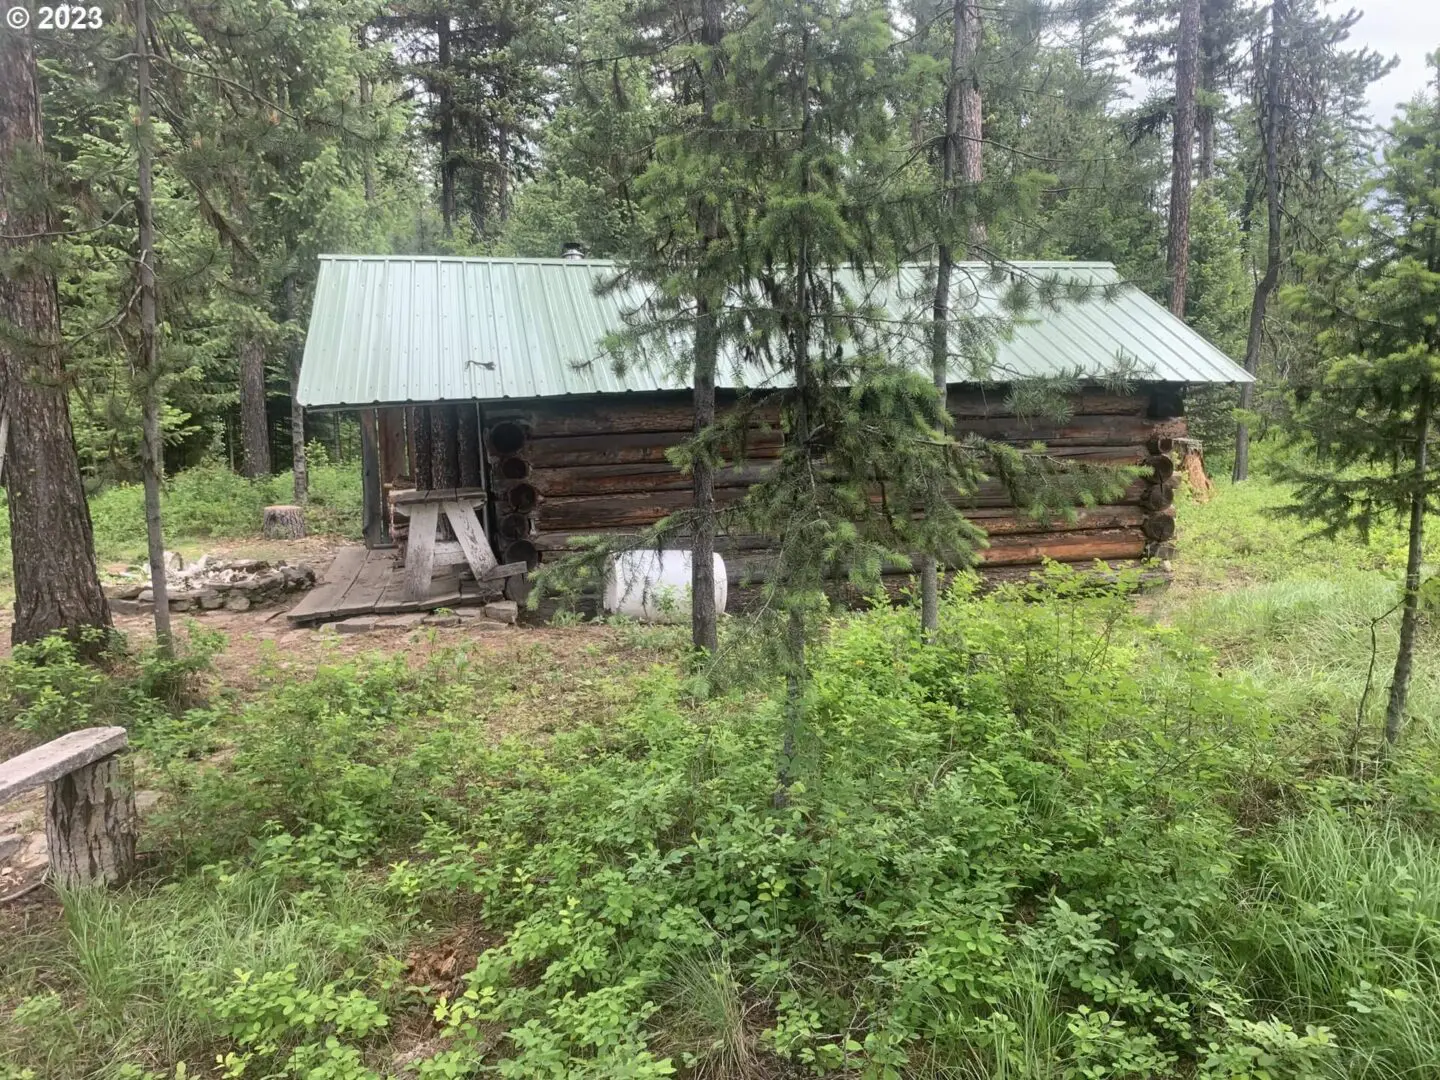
[1160,526]
[514,527]
[507,437]
[1160,444]
[1161,465]
[283,523]
[523,551]
[522,498]
[512,468]
[90,825]
[1157,497]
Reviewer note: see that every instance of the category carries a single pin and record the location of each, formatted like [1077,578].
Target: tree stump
[1192,465]
[90,825]
[283,523]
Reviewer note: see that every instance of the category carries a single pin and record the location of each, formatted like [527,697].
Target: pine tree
[1370,418]
[1177,252]
[57,588]
[1270,106]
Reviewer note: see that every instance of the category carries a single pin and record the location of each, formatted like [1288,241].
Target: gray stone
[174,561]
[132,607]
[442,620]
[506,611]
[361,624]
[124,592]
[58,757]
[146,595]
[146,800]
[9,845]
[270,579]
[237,603]
[210,599]
[182,603]
[485,626]
[400,622]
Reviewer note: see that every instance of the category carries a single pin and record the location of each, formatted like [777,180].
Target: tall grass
[1297,614]
[136,967]
[1340,925]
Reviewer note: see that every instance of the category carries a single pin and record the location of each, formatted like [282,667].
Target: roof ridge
[1086,264]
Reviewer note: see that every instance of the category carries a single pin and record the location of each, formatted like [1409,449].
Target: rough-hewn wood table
[424,550]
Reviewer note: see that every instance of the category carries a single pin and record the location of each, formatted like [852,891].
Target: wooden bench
[89,804]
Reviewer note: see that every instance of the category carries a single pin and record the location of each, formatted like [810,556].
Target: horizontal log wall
[600,466]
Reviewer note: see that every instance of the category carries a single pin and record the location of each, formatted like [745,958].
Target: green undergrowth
[47,688]
[1055,843]
[1314,621]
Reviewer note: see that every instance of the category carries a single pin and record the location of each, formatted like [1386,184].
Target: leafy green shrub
[46,689]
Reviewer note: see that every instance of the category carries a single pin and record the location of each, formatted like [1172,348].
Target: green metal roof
[396,329]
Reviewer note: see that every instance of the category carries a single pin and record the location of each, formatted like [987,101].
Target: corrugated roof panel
[420,329]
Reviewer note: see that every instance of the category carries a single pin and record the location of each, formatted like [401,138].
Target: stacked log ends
[517,501]
[1158,499]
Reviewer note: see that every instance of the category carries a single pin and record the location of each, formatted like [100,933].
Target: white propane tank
[654,586]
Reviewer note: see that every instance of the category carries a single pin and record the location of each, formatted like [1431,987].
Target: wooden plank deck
[365,582]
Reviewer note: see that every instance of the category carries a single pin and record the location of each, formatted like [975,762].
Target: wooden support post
[394,456]
[372,514]
[90,825]
[420,549]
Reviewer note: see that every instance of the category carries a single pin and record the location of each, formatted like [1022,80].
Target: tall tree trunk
[1269,140]
[152,451]
[1177,256]
[972,171]
[57,588]
[795,629]
[367,153]
[704,619]
[1410,616]
[300,464]
[960,162]
[254,426]
[1205,136]
[447,127]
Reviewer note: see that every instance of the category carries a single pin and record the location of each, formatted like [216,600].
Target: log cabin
[493,374]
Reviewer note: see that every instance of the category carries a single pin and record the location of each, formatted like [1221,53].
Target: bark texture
[1270,143]
[960,162]
[704,619]
[971,119]
[254,427]
[56,584]
[90,825]
[283,523]
[152,454]
[299,462]
[1410,615]
[1177,256]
